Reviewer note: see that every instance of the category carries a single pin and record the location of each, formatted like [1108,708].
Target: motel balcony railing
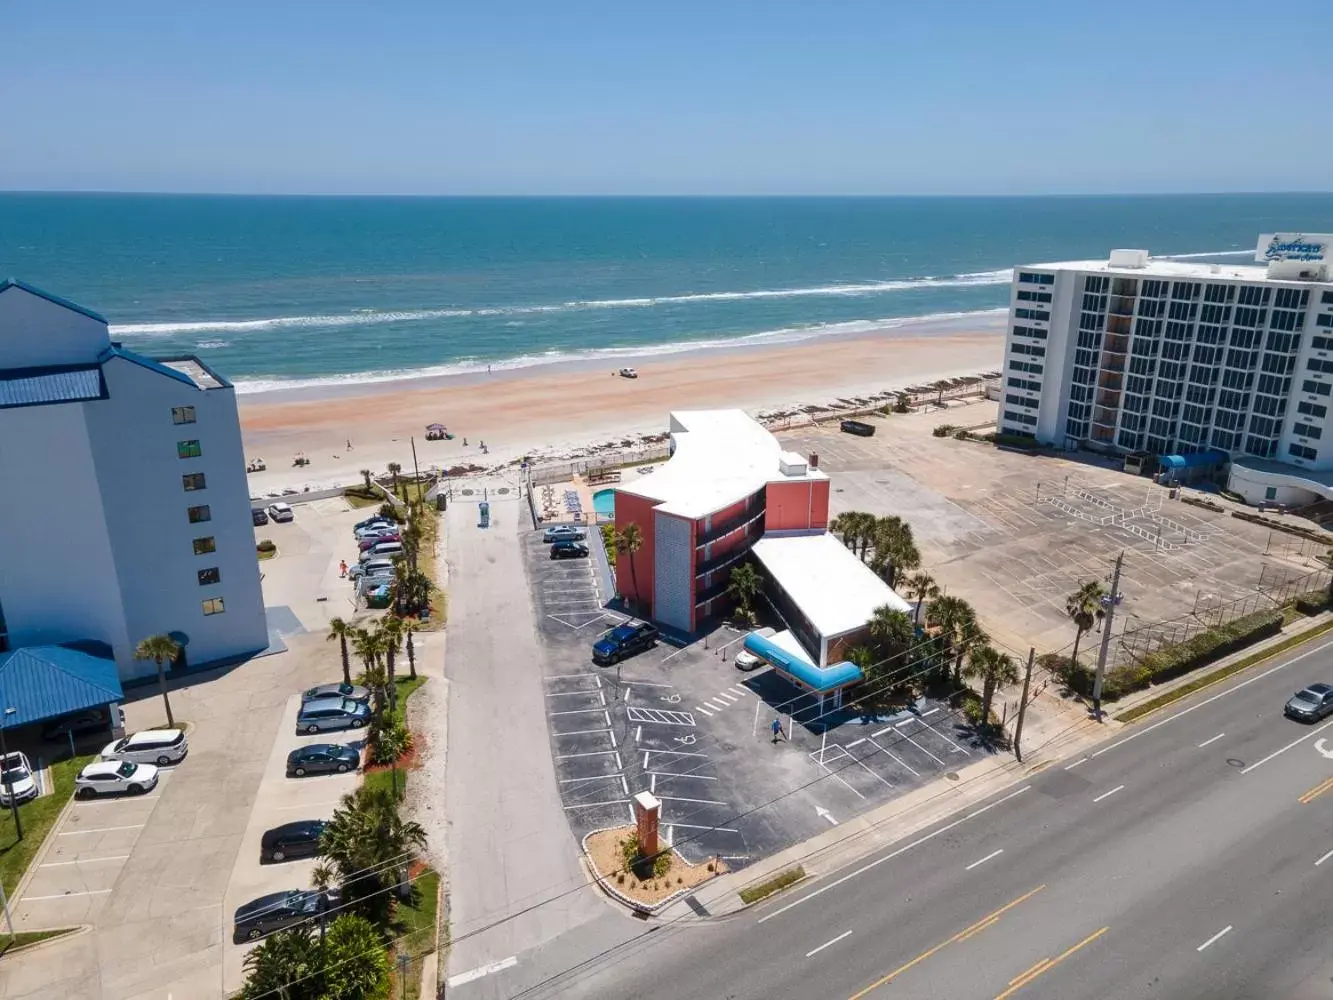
[752,535]
[753,511]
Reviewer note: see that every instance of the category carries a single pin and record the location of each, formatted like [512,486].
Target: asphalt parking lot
[685,724]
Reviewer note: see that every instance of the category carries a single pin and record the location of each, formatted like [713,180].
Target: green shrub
[266,546]
[902,405]
[754,893]
[390,511]
[1014,441]
[633,861]
[944,430]
[1235,497]
[390,742]
[1312,602]
[609,542]
[962,434]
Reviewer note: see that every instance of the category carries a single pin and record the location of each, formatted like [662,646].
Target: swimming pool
[604,502]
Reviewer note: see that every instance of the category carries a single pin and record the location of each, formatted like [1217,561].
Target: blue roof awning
[821,679]
[42,682]
[1200,459]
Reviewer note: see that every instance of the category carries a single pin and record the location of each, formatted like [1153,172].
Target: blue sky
[537,97]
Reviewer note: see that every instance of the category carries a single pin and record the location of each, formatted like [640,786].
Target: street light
[9,781]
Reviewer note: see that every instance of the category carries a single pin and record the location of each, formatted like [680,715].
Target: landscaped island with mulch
[620,867]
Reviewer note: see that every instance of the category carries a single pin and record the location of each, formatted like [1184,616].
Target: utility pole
[1111,600]
[1023,705]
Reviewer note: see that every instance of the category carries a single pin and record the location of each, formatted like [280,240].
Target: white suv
[150,746]
[104,777]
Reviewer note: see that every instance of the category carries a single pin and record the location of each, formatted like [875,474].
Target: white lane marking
[856,743]
[577,711]
[931,712]
[1216,937]
[1324,858]
[978,864]
[599,777]
[1081,760]
[705,711]
[702,802]
[714,707]
[674,774]
[815,951]
[742,691]
[602,694]
[101,829]
[825,814]
[590,753]
[719,829]
[483,970]
[1221,694]
[1212,739]
[1107,795]
[566,694]
[611,734]
[593,805]
[886,729]
[1293,743]
[582,732]
[624,786]
[893,854]
[66,895]
[84,861]
[638,735]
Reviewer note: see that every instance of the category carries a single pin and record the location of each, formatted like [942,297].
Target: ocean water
[285,292]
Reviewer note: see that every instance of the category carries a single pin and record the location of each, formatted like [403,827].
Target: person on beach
[349,444]
[342,569]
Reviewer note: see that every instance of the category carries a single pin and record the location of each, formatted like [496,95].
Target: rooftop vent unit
[791,464]
[1129,258]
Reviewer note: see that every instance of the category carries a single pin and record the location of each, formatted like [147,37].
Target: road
[1189,856]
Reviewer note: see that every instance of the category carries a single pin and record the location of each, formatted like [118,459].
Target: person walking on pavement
[777,730]
[342,569]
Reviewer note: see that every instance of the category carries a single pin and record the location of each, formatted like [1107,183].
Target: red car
[366,543]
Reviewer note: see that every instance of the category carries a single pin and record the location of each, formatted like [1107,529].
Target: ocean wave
[370,317]
[470,366]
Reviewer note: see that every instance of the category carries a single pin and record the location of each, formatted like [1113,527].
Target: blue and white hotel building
[1183,357]
[124,510]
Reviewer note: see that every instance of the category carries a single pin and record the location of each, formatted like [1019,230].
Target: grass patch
[1153,704]
[384,780]
[412,492]
[430,536]
[25,939]
[38,817]
[414,923]
[357,497]
[780,881]
[262,554]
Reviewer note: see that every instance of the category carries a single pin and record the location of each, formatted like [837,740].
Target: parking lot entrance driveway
[162,928]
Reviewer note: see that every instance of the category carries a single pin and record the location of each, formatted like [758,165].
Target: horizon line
[644,196]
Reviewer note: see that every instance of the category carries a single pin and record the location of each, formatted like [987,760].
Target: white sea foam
[468,366]
[370,317]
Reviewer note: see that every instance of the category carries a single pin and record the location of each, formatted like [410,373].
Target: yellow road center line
[1317,791]
[966,932]
[1029,976]
[976,929]
[1023,975]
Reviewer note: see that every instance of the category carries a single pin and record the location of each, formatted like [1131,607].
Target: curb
[17,895]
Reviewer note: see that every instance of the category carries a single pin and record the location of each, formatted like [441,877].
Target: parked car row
[378,543]
[566,541]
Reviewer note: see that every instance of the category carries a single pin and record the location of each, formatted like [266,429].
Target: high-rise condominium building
[1176,357]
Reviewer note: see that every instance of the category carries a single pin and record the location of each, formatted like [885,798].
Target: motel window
[199,514]
[209,576]
[1312,410]
[1300,451]
[213,606]
[1270,493]
[1325,320]
[182,414]
[203,546]
[193,481]
[1320,388]
[188,449]
[1306,431]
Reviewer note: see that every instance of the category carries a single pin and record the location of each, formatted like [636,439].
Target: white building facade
[1172,357]
[125,510]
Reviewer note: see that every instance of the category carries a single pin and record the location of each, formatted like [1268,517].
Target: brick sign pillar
[647,810]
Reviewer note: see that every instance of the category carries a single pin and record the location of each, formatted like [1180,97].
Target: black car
[624,640]
[292,840]
[568,549]
[322,758]
[1310,704]
[80,724]
[278,910]
[259,516]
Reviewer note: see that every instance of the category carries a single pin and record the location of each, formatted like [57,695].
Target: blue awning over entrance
[1198,460]
[43,682]
[820,679]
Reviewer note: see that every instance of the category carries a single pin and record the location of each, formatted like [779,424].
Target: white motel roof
[834,589]
[720,457]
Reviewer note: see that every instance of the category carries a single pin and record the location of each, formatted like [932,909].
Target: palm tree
[995,669]
[743,585]
[391,640]
[893,633]
[367,839]
[921,586]
[630,541]
[342,631]
[895,549]
[1084,606]
[368,646]
[958,626]
[161,649]
[410,625]
[394,469]
[370,489]
[280,963]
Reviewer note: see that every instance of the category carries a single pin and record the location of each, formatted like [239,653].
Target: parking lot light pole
[9,782]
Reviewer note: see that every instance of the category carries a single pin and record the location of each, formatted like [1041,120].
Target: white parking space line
[590,753]
[716,708]
[102,829]
[591,805]
[483,970]
[676,653]
[66,895]
[841,937]
[1293,743]
[676,774]
[705,711]
[731,698]
[742,691]
[895,757]
[652,684]
[582,732]
[1107,795]
[578,711]
[1324,858]
[566,694]
[84,861]
[566,677]
[1213,739]
[923,749]
[599,777]
[1215,938]
[702,802]
[931,712]
[718,829]
[857,743]
[978,864]
[956,747]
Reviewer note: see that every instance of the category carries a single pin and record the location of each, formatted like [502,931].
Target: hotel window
[1219,293]
[203,546]
[1283,342]
[1306,431]
[1252,295]
[1300,451]
[209,576]
[1326,298]
[188,449]
[1319,365]
[182,414]
[193,481]
[1028,278]
[1292,298]
[214,606]
[1320,388]
[199,514]
[1321,343]
[1326,320]
[1312,410]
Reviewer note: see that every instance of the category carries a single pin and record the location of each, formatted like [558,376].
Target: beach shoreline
[550,411]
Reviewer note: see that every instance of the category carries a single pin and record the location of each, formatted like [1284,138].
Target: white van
[150,746]
[382,550]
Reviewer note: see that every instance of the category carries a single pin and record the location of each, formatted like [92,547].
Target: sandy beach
[548,411]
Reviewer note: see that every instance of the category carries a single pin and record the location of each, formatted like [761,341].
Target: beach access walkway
[514,874]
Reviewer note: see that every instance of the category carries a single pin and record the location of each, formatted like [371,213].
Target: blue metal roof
[116,351]
[821,679]
[42,682]
[9,283]
[40,386]
[1197,460]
